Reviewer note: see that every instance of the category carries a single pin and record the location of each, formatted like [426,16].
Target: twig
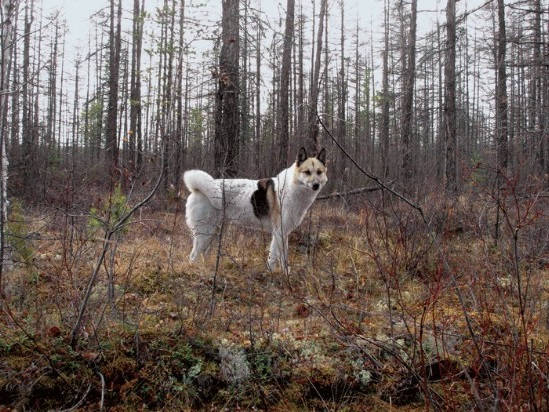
[77,405]
[371,176]
[434,240]
[109,232]
[219,247]
[101,404]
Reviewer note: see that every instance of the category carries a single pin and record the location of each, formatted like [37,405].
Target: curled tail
[199,181]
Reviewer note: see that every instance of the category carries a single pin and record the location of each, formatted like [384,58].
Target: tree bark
[284,85]
[450,98]
[8,14]
[501,95]
[227,119]
[135,144]
[385,100]
[407,106]
[312,141]
[26,155]
[111,141]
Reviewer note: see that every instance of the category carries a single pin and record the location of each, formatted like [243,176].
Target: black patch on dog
[259,198]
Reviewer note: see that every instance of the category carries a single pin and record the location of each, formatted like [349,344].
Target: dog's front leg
[279,251]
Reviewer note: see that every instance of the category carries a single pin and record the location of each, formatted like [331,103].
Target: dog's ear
[301,156]
[322,156]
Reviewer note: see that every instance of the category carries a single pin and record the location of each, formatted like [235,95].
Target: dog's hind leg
[201,242]
[202,219]
[278,252]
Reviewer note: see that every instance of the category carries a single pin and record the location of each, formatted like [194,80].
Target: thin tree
[8,14]
[312,140]
[342,91]
[385,99]
[450,98]
[501,92]
[284,85]
[135,139]
[27,135]
[407,104]
[180,97]
[111,141]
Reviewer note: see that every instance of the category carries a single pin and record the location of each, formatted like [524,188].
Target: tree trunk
[312,141]
[111,141]
[284,85]
[135,148]
[227,119]
[407,106]
[8,14]
[258,96]
[385,100]
[27,136]
[450,98]
[179,95]
[501,95]
[342,92]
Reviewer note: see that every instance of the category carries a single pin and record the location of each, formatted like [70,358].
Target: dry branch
[109,232]
[350,193]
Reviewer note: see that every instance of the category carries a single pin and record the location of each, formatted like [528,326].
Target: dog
[275,205]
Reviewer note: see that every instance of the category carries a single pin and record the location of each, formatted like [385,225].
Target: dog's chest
[294,204]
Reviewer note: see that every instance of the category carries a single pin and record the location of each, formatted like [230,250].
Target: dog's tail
[199,181]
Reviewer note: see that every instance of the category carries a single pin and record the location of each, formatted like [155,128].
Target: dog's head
[311,171]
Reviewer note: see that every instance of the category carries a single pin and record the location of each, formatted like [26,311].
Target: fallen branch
[350,193]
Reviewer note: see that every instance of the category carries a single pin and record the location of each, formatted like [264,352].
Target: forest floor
[374,315]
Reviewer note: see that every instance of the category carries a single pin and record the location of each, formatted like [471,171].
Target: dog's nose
[315,186]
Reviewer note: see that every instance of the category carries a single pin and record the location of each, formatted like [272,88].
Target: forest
[419,276]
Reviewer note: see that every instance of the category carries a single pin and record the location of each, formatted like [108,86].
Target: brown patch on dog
[274,207]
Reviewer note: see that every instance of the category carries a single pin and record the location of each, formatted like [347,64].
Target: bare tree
[227,119]
[284,84]
[501,92]
[408,100]
[136,138]
[111,140]
[385,102]
[8,13]
[27,134]
[450,98]
[312,140]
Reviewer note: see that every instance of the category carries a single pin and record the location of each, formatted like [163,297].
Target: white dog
[276,205]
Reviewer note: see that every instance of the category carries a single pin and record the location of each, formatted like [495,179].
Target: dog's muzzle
[316,186]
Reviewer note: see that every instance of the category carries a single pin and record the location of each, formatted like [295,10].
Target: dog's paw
[192,257]
[272,264]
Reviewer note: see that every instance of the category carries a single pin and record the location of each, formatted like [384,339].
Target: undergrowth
[376,313]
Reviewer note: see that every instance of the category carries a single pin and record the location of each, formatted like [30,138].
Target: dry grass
[367,320]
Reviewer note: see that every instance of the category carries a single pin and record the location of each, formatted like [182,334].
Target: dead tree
[450,98]
[501,92]
[227,119]
[407,104]
[111,141]
[8,14]
[312,140]
[284,85]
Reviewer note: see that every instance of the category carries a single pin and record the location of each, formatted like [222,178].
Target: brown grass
[367,320]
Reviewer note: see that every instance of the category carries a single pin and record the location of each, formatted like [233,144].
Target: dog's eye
[318,172]
[308,172]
